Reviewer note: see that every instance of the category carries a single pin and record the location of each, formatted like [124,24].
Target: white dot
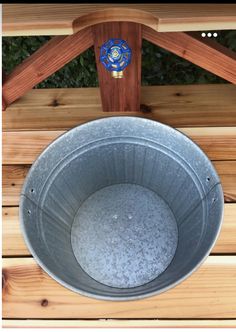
[209,34]
[215,34]
[203,34]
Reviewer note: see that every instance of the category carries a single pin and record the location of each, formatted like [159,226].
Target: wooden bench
[206,113]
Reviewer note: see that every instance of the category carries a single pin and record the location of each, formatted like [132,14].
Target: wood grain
[4,104]
[205,53]
[12,181]
[12,240]
[60,19]
[113,323]
[24,147]
[178,106]
[219,143]
[29,293]
[226,242]
[227,172]
[113,91]
[44,62]
[14,245]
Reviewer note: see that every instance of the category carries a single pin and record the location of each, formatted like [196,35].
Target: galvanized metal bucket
[121,208]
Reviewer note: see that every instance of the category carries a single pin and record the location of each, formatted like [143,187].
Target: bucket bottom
[124,235]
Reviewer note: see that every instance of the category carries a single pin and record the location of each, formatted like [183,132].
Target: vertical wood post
[44,62]
[120,94]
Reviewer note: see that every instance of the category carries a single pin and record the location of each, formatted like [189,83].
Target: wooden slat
[44,62]
[218,143]
[207,54]
[227,172]
[226,242]
[114,91]
[112,323]
[24,147]
[58,19]
[12,181]
[12,240]
[209,293]
[178,106]
[14,245]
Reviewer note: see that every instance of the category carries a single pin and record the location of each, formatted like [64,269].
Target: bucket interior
[122,217]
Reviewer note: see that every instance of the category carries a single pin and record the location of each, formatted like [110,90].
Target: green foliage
[159,67]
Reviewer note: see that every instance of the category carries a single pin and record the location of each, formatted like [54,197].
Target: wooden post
[44,62]
[4,104]
[120,94]
[205,53]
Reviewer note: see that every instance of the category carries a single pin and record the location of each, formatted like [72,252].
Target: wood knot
[54,103]
[13,184]
[145,108]
[179,94]
[39,74]
[44,303]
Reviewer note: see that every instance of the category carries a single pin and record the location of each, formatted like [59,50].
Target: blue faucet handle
[115,55]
